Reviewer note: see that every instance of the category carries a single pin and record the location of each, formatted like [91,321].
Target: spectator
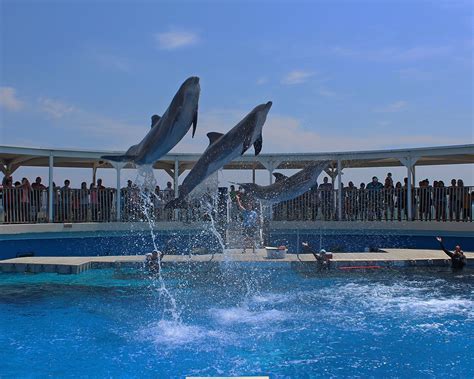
[326,192]
[249,224]
[464,201]
[453,202]
[350,198]
[25,200]
[158,203]
[36,196]
[94,202]
[168,195]
[234,206]
[362,201]
[65,202]
[374,191]
[83,202]
[400,201]
[388,198]
[389,179]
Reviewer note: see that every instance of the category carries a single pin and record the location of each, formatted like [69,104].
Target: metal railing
[389,204]
[25,205]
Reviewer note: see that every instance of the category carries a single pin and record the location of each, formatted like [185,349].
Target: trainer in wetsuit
[458,259]
[321,258]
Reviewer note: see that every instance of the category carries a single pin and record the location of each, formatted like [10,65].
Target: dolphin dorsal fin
[279,176]
[154,120]
[213,137]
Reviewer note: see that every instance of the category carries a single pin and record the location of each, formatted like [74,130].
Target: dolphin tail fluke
[117,158]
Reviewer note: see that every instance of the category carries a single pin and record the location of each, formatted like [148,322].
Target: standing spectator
[36,195]
[464,200]
[83,202]
[389,179]
[350,199]
[388,197]
[102,194]
[452,193]
[400,201]
[168,195]
[374,191]
[424,196]
[94,202]
[326,192]
[65,201]
[249,224]
[439,200]
[362,202]
[234,206]
[158,203]
[25,201]
[8,198]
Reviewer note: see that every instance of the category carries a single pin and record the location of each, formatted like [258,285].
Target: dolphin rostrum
[168,130]
[287,188]
[223,148]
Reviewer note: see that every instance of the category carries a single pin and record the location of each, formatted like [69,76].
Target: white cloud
[284,134]
[176,39]
[261,81]
[297,77]
[54,108]
[396,106]
[8,99]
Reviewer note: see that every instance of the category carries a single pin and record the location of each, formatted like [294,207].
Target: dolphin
[223,148]
[287,188]
[168,130]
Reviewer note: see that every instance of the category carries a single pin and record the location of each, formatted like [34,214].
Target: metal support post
[51,189]
[339,190]
[118,168]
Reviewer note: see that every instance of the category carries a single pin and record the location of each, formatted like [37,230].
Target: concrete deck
[387,258]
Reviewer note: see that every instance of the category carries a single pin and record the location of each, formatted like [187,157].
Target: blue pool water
[238,319]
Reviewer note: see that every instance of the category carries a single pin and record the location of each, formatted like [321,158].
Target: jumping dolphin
[287,188]
[168,130]
[223,148]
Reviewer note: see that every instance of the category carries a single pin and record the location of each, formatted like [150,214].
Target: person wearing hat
[458,259]
[321,257]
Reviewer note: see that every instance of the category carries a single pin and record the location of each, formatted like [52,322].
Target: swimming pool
[238,319]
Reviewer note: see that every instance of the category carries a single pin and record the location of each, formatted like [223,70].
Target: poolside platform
[384,258]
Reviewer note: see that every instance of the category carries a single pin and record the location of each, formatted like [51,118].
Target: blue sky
[343,75]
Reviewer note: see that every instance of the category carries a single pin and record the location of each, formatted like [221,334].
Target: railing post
[339,190]
[118,212]
[51,189]
[176,186]
[409,191]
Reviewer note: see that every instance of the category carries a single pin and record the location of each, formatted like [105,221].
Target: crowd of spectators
[381,201]
[21,201]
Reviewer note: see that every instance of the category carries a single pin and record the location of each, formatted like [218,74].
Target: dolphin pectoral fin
[247,142]
[258,145]
[195,121]
[213,137]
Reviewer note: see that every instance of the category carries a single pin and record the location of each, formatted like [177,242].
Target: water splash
[146,183]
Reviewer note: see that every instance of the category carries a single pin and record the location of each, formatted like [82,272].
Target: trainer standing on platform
[458,259]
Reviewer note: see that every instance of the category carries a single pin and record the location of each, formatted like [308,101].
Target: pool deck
[385,258]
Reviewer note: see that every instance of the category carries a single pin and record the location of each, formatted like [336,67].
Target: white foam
[175,333]
[242,315]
